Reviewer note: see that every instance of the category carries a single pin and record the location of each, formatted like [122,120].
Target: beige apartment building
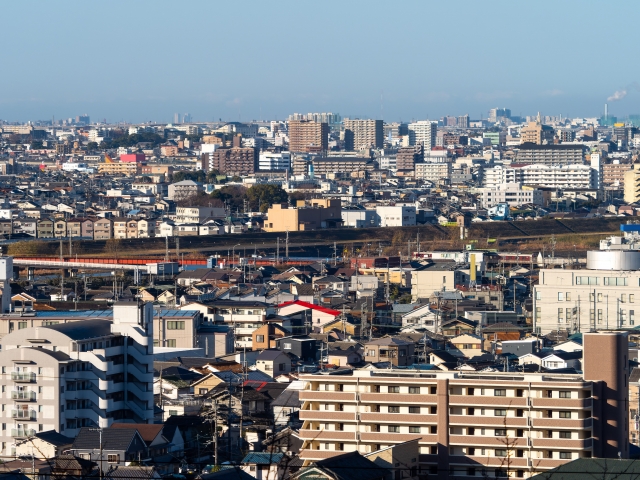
[308,136]
[536,133]
[361,134]
[433,172]
[320,213]
[127,169]
[613,175]
[102,229]
[632,184]
[475,424]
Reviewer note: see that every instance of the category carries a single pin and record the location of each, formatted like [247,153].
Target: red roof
[312,306]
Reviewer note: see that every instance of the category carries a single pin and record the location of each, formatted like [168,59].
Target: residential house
[394,350]
[102,229]
[265,337]
[146,228]
[119,227]
[109,446]
[561,359]
[45,228]
[264,465]
[316,315]
[273,362]
[44,445]
[467,345]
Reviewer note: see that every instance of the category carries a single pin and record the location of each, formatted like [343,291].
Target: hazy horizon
[144,61]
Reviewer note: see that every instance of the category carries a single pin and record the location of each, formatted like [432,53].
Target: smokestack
[606,111]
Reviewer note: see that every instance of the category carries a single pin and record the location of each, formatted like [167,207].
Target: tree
[112,246]
[197,176]
[92,146]
[37,145]
[261,197]
[232,195]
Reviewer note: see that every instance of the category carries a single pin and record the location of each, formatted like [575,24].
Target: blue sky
[144,60]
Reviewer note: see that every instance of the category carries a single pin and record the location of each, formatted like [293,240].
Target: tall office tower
[463,121]
[497,114]
[186,118]
[90,373]
[176,118]
[308,136]
[423,133]
[360,134]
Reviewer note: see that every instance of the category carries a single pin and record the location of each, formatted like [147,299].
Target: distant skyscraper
[176,118]
[423,133]
[463,121]
[496,114]
[186,118]
[359,134]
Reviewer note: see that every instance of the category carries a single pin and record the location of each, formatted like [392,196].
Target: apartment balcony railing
[23,414]
[22,432]
[23,396]
[23,376]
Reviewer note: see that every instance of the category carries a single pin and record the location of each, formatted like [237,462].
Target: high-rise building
[235,160]
[423,133]
[512,424]
[88,373]
[567,154]
[463,121]
[361,134]
[632,184]
[408,157]
[176,118]
[498,114]
[308,136]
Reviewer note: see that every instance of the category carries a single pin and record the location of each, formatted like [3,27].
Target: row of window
[600,297]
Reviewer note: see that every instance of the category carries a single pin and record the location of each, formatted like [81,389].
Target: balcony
[26,377]
[23,414]
[22,432]
[23,396]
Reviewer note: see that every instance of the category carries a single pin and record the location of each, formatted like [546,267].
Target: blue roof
[263,458]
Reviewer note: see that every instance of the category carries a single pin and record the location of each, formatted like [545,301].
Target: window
[394,389]
[394,409]
[560,314]
[501,452]
[500,392]
[500,412]
[564,434]
[567,296]
[414,389]
[287,346]
[414,409]
[175,325]
[615,281]
[623,298]
[565,394]
[565,414]
[281,367]
[173,412]
[538,295]
[500,432]
[260,338]
[561,296]
[599,315]
[565,455]
[632,317]
[394,429]
[587,280]
[414,429]
[22,325]
[113,458]
[171,343]
[631,298]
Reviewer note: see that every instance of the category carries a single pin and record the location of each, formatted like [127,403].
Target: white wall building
[274,161]
[423,132]
[510,193]
[552,176]
[396,216]
[433,172]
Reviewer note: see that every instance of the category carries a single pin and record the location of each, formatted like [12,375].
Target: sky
[138,61]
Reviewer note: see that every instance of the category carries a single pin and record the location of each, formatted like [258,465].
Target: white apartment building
[433,172]
[605,295]
[396,216]
[552,176]
[198,214]
[510,193]
[423,132]
[274,161]
[65,376]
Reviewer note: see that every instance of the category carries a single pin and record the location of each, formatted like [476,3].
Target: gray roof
[593,468]
[288,398]
[54,438]
[269,354]
[83,330]
[112,439]
[130,472]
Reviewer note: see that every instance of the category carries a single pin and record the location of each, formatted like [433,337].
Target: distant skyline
[146,60]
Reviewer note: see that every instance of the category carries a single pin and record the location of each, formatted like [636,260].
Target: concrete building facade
[361,134]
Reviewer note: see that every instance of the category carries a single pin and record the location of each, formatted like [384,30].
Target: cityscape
[332,275]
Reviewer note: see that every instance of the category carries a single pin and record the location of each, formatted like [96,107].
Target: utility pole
[286,246]
[166,249]
[277,249]
[177,249]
